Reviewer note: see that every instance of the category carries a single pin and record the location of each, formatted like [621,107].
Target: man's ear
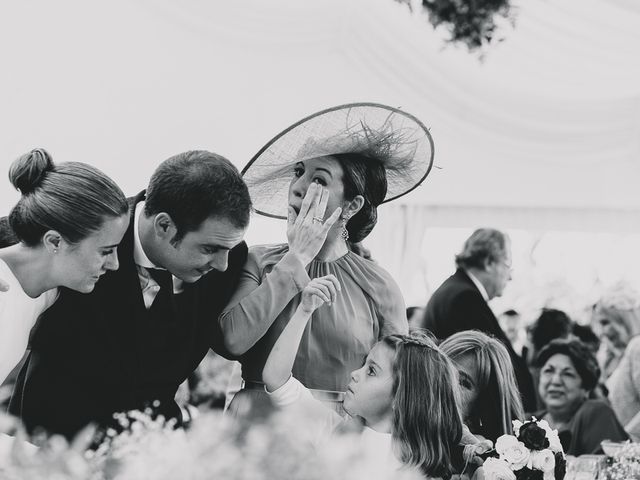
[488,264]
[353,207]
[52,241]
[163,226]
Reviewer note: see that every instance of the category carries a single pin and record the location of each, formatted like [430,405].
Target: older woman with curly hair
[568,372]
[617,320]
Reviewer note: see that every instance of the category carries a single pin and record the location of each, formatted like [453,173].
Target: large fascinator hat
[385,134]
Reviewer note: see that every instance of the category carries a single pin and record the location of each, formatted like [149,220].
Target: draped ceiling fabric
[544,133]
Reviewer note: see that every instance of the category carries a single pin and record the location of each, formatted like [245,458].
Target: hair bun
[26,172]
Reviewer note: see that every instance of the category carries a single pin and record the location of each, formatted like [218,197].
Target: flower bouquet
[533,453]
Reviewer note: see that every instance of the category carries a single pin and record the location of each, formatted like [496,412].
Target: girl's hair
[72,198]
[426,420]
[498,401]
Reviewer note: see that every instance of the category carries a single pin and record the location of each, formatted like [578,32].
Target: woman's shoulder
[594,407]
[634,345]
[370,269]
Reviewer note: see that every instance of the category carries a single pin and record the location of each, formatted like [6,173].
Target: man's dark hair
[196,185]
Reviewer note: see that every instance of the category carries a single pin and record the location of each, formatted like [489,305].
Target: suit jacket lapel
[122,303]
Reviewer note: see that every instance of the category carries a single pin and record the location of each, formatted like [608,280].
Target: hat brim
[342,129]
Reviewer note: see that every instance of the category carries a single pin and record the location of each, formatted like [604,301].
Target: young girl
[490,397]
[404,393]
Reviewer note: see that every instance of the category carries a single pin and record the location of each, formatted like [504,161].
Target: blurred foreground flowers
[213,448]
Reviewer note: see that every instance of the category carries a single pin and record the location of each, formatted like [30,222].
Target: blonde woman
[490,396]
[616,319]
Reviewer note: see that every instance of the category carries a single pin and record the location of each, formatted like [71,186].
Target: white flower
[552,436]
[543,460]
[505,442]
[516,427]
[517,456]
[496,469]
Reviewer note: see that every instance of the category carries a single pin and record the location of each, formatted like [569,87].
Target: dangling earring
[344,233]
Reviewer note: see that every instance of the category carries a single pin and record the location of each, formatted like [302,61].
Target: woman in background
[568,373]
[490,397]
[617,317]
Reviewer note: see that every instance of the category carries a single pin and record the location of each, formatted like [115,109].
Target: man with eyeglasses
[483,270]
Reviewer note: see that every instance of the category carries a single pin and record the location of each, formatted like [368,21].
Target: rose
[512,451]
[496,469]
[543,460]
[552,436]
[516,427]
[533,436]
[505,442]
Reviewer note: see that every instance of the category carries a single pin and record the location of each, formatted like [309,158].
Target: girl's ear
[52,241]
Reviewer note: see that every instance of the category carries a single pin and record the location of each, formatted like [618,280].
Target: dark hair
[585,334]
[498,402]
[196,185]
[551,324]
[364,176]
[485,244]
[583,359]
[426,420]
[72,198]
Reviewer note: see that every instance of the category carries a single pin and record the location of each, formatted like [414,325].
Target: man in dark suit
[460,303]
[145,327]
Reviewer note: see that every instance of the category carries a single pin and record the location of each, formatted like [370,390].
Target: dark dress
[592,423]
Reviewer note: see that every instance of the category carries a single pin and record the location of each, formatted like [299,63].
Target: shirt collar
[479,286]
[139,257]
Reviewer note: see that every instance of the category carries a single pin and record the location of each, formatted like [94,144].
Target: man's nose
[220,261]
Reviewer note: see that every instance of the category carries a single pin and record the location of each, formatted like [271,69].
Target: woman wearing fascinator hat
[326,175]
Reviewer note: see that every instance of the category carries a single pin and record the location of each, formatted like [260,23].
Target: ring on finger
[318,219]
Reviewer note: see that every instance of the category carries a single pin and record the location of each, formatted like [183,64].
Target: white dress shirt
[479,286]
[150,287]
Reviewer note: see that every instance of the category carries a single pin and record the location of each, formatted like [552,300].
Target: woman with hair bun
[68,223]
[326,174]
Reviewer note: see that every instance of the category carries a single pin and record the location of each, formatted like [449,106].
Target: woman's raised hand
[319,291]
[307,230]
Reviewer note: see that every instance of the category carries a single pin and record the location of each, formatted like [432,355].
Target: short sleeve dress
[337,337]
